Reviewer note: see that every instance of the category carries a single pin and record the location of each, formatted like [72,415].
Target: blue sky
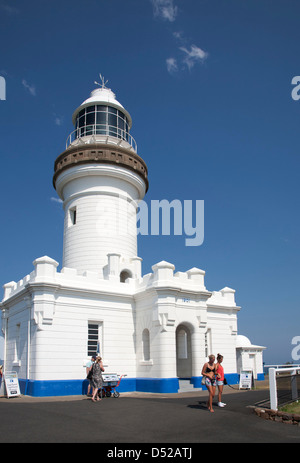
[208,86]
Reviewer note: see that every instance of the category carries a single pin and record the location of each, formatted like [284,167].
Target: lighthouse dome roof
[102,96]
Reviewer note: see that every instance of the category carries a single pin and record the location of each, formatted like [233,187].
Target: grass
[291,408]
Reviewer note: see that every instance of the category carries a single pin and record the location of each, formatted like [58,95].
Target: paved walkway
[141,418]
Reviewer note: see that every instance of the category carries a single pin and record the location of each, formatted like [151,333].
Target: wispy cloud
[58,120]
[179,36]
[165,9]
[11,10]
[172,65]
[193,56]
[56,200]
[30,88]
[190,57]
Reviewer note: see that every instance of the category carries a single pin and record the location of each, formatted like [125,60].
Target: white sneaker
[220,404]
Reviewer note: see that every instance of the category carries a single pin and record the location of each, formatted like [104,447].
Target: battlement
[45,272]
[121,275]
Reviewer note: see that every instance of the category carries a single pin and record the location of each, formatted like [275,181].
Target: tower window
[72,216]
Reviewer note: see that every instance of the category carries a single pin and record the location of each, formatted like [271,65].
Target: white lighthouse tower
[100,179]
[156,328]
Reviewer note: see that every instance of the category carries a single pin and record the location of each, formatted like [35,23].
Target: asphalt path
[136,418]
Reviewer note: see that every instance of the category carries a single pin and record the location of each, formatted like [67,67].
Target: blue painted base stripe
[79,387]
[158,385]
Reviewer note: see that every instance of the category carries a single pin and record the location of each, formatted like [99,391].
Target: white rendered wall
[54,309]
[222,323]
[16,328]
[87,243]
[170,301]
[105,199]
[61,350]
[223,338]
[250,359]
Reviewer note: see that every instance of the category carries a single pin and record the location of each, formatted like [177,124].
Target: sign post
[2,392]
[12,384]
[245,379]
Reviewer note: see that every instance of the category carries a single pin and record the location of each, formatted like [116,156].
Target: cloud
[58,120]
[172,65]
[165,9]
[178,36]
[30,88]
[194,55]
[190,58]
[56,200]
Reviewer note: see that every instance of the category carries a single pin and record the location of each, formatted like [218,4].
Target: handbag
[90,374]
[203,381]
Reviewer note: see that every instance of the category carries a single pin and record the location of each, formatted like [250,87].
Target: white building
[155,328]
[249,356]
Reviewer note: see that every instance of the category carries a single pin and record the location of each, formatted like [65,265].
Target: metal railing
[101,132]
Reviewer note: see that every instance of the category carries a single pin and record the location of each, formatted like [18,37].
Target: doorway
[183,352]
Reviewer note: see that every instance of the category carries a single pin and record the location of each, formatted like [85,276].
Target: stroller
[110,382]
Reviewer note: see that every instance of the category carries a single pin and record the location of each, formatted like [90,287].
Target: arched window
[124,275]
[208,343]
[146,344]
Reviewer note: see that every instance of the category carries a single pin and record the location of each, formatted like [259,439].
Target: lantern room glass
[101,120]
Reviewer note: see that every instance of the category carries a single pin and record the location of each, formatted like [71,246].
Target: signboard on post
[245,379]
[12,384]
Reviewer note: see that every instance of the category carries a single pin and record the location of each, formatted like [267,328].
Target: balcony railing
[101,133]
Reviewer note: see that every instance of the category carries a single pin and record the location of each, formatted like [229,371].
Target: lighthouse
[157,328]
[100,178]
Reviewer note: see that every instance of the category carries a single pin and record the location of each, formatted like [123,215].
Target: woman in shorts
[209,371]
[220,379]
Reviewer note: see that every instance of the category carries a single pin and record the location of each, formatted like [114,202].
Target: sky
[208,85]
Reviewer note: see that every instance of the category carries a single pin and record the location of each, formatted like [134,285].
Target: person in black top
[209,371]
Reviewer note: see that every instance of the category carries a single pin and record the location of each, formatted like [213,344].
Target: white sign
[12,384]
[246,379]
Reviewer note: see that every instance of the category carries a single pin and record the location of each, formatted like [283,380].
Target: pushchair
[110,382]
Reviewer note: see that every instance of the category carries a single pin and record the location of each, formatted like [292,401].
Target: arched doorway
[183,352]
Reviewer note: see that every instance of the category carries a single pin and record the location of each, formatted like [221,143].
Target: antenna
[103,82]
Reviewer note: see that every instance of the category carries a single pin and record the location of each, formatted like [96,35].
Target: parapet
[225,296]
[108,279]
[163,275]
